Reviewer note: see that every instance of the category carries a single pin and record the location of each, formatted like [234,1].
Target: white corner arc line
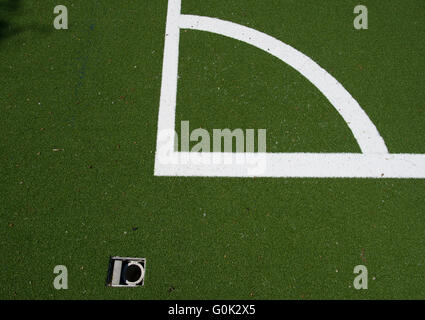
[363,129]
[374,162]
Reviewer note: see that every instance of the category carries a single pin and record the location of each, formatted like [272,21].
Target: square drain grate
[126,272]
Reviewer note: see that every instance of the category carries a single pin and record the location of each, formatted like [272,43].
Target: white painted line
[308,165]
[167,105]
[373,162]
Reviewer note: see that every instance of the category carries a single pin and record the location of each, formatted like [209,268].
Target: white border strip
[307,165]
[168,100]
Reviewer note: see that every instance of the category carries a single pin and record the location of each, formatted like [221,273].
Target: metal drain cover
[126,272]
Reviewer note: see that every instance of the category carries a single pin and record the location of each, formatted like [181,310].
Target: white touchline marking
[167,104]
[373,162]
[308,165]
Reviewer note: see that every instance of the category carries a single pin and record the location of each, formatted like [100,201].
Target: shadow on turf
[10,9]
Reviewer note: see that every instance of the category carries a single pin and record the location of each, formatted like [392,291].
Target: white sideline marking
[308,165]
[167,104]
[373,162]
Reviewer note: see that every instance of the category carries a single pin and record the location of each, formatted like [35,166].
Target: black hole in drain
[133,273]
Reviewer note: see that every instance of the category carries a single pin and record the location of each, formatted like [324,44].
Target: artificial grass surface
[93,91]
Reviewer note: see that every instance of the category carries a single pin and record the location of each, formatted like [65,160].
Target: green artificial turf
[91,93]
